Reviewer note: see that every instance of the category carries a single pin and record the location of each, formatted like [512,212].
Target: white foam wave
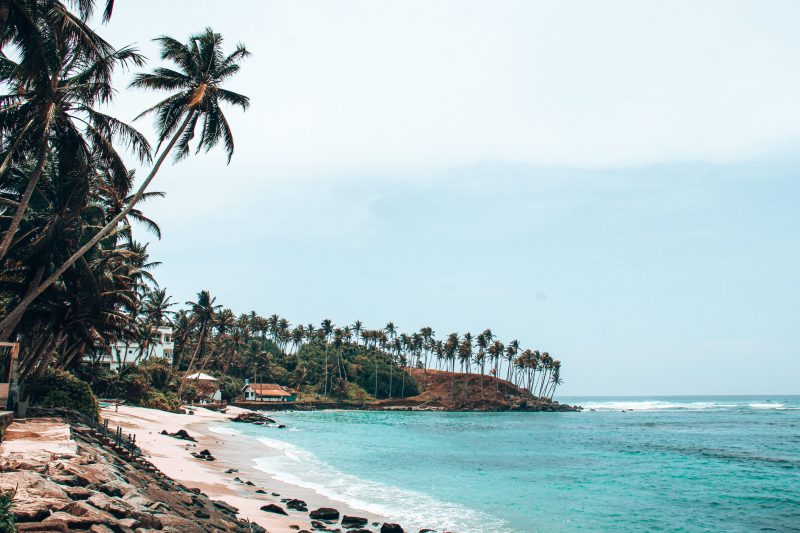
[655,405]
[413,509]
[766,405]
[223,430]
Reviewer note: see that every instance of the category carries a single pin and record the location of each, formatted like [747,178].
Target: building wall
[162,347]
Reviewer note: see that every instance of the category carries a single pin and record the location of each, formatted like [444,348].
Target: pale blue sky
[615,183]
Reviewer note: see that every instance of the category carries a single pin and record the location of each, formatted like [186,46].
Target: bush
[6,516]
[166,401]
[58,388]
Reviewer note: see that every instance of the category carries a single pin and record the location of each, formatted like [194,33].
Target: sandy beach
[173,457]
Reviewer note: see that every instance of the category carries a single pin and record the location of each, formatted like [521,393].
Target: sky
[612,182]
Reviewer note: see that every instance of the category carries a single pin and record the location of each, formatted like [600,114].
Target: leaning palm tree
[202,69]
[203,311]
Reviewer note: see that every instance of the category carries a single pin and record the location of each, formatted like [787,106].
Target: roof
[269,389]
[200,376]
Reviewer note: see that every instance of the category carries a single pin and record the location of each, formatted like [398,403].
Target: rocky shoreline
[100,488]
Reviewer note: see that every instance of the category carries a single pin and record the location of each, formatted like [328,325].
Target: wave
[299,467]
[662,405]
[223,430]
[655,405]
[766,405]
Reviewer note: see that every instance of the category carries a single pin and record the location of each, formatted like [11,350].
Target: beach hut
[267,392]
[206,386]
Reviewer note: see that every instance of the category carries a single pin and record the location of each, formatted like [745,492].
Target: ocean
[625,464]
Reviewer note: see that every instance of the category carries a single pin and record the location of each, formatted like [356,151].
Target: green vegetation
[58,388]
[7,522]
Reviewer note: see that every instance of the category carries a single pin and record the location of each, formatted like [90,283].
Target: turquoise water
[633,464]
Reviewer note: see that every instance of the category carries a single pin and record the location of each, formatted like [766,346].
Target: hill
[440,389]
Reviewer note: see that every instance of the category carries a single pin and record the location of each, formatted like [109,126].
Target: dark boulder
[297,505]
[325,513]
[353,521]
[391,528]
[180,434]
[272,508]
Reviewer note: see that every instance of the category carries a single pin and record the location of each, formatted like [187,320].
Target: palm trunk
[200,340]
[10,322]
[26,198]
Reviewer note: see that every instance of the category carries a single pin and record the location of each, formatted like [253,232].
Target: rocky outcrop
[253,418]
[99,489]
[391,528]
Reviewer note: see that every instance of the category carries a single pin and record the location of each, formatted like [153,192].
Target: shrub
[58,388]
[166,401]
[6,516]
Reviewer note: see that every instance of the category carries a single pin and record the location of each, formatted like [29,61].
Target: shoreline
[173,457]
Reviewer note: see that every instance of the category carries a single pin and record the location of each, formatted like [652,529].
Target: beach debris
[180,434]
[273,508]
[325,513]
[391,528]
[253,418]
[350,522]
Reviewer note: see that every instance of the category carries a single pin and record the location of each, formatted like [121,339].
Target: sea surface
[625,464]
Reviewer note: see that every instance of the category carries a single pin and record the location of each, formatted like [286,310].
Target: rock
[68,480]
[253,418]
[227,508]
[180,434]
[49,527]
[297,505]
[231,471]
[255,528]
[325,513]
[318,525]
[391,528]
[261,491]
[30,511]
[116,507]
[201,514]
[99,528]
[250,483]
[194,490]
[353,521]
[273,508]
[78,493]
[115,489]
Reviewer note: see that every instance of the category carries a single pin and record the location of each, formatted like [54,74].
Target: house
[127,353]
[267,392]
[205,385]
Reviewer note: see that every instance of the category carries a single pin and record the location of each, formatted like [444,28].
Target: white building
[129,353]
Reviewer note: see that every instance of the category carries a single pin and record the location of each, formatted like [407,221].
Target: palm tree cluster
[249,344]
[73,278]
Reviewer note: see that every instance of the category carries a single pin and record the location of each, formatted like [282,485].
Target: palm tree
[203,311]
[326,328]
[203,68]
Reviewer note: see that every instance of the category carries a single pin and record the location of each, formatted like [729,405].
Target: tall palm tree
[203,68]
[203,311]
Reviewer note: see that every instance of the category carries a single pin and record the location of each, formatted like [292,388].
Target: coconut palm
[203,311]
[203,68]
